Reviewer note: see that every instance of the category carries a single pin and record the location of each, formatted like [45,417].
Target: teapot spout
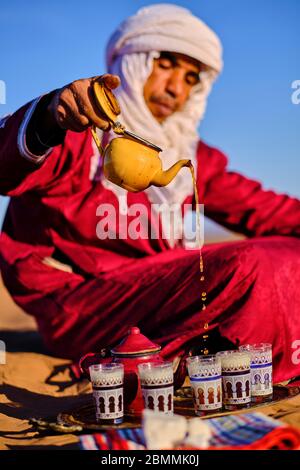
[162,178]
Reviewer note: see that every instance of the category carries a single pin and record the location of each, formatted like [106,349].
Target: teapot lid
[106,100]
[135,344]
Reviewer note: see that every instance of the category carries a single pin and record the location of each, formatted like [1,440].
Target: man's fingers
[74,120]
[69,114]
[95,119]
[74,106]
[111,81]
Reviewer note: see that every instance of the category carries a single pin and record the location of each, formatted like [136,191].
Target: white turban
[130,53]
[166,27]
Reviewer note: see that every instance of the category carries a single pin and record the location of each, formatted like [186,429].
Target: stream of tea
[203,349]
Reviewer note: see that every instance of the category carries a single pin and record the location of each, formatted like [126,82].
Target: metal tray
[84,415]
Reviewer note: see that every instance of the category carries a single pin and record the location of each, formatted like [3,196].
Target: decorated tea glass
[206,382]
[157,383]
[107,381]
[236,379]
[261,371]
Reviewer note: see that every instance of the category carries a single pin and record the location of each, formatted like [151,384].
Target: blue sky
[250,115]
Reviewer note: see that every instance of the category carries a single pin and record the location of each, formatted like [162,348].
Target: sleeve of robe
[242,204]
[21,171]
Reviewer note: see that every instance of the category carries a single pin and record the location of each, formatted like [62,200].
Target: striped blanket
[243,431]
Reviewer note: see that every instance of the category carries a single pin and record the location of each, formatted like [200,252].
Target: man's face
[170,83]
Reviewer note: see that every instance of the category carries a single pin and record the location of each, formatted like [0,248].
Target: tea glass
[236,379]
[157,383]
[261,371]
[107,381]
[206,383]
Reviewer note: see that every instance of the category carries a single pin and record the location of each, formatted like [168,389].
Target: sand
[11,316]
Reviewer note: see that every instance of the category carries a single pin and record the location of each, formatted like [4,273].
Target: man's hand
[74,108]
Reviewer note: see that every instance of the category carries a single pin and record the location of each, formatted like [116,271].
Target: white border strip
[22,146]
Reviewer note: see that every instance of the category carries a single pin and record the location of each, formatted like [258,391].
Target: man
[85,290]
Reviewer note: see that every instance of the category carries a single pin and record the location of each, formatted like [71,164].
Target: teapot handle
[180,373]
[97,140]
[89,359]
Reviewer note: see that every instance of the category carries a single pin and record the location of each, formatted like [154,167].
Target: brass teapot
[130,161]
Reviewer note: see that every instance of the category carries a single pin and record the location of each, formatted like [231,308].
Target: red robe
[252,285]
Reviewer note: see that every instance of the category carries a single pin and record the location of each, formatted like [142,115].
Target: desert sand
[11,316]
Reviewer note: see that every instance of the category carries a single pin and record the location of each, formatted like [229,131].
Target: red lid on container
[135,344]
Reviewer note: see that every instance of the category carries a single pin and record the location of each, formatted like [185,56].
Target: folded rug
[249,431]
[123,439]
[252,431]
